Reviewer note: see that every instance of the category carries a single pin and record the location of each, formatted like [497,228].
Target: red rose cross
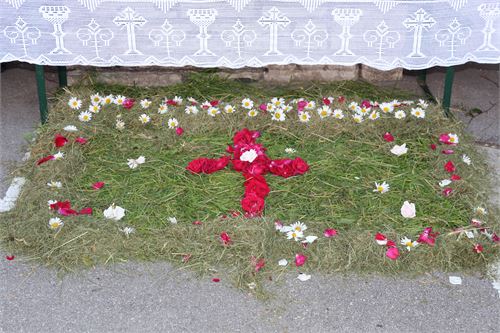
[249,158]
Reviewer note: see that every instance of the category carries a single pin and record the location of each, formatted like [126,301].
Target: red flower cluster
[249,158]
[64,208]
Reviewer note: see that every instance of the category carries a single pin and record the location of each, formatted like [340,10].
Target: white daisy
[353,106]
[145,103]
[133,164]
[75,103]
[85,116]
[287,108]
[381,188]
[418,112]
[304,116]
[55,184]
[270,107]
[400,114]
[163,108]
[452,138]
[338,114]
[119,100]
[290,151]
[191,109]
[363,110]
[178,100]
[213,111]
[278,102]
[295,235]
[144,118]
[70,128]
[423,104]
[386,107]
[310,105]
[298,226]
[229,108]
[127,231]
[357,118]
[279,116]
[481,210]
[466,159]
[324,111]
[253,113]
[94,108]
[119,124]
[95,99]
[55,223]
[173,123]
[409,243]
[374,115]
[59,155]
[107,100]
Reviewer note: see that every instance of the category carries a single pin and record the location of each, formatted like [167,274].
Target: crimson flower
[390,243]
[341,99]
[444,138]
[60,141]
[328,233]
[381,239]
[447,151]
[392,253]
[366,104]
[98,185]
[215,280]
[171,102]
[449,167]
[447,191]
[478,248]
[433,146]
[455,177]
[179,131]
[495,238]
[214,103]
[258,263]
[81,140]
[225,239]
[427,236]
[388,137]
[45,159]
[300,259]
[128,103]
[11,257]
[326,101]
[85,211]
[301,105]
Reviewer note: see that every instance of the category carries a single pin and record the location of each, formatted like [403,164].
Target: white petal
[310,239]
[283,262]
[445,182]
[455,280]
[303,277]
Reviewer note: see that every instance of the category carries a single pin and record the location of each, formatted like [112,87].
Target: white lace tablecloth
[384,34]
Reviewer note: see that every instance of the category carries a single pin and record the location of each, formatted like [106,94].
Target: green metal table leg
[422,82]
[448,86]
[42,94]
[63,77]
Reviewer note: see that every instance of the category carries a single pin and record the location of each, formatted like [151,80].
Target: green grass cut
[345,160]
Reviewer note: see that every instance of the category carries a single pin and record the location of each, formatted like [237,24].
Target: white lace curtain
[384,34]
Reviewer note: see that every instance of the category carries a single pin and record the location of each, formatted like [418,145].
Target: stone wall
[278,74]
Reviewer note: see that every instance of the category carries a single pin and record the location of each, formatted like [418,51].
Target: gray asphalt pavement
[155,297]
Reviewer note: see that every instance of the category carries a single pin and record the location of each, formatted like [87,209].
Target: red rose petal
[60,141]
[215,280]
[11,257]
[81,140]
[98,185]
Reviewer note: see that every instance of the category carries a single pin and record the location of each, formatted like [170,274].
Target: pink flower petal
[45,159]
[98,185]
[388,137]
[85,211]
[10,257]
[300,259]
[478,248]
[179,131]
[215,280]
[392,253]
[328,233]
[447,191]
[197,222]
[81,140]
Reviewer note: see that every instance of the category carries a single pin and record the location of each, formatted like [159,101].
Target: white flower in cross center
[466,159]
[229,108]
[119,124]
[75,103]
[247,103]
[279,116]
[290,151]
[107,100]
[212,111]
[144,118]
[423,104]
[381,188]
[304,277]
[119,100]
[173,123]
[409,243]
[177,100]
[298,226]
[95,99]
[145,103]
[278,102]
[135,163]
[55,223]
[191,109]
[253,113]
[324,111]
[452,138]
[59,155]
[400,114]
[399,150]
[94,108]
[353,106]
[374,115]
[418,112]
[445,182]
[338,114]
[127,231]
[283,262]
[295,235]
[304,117]
[386,107]
[172,220]
[357,118]
[70,128]
[162,109]
[408,210]
[249,156]
[54,184]
[114,212]
[85,116]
